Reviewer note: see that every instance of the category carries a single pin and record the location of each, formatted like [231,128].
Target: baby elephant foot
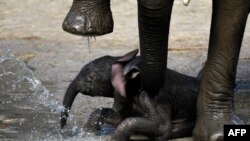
[113,138]
[210,127]
[109,138]
[114,119]
[97,118]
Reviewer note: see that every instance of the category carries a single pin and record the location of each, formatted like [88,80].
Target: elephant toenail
[217,137]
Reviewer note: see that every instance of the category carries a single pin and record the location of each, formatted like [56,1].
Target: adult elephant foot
[209,126]
[89,18]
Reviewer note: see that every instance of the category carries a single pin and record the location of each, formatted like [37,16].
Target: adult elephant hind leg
[215,106]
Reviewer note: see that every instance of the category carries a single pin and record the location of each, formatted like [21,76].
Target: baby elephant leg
[140,125]
[97,118]
[101,116]
[155,121]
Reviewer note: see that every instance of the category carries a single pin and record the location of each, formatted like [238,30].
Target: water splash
[15,76]
[28,107]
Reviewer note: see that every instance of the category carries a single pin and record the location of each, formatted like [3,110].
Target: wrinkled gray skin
[89,18]
[215,103]
[169,115]
[215,106]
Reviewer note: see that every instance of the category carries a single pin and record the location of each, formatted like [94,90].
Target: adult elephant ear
[118,79]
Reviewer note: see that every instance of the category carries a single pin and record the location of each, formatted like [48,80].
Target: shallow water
[28,110]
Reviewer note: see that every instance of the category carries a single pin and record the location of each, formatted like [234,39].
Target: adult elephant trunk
[154,19]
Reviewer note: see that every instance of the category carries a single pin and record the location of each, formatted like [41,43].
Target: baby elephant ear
[118,79]
[129,56]
[132,69]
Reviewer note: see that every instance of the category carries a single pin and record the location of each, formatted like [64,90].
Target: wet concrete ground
[31,30]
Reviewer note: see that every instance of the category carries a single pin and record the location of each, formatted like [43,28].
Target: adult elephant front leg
[154,19]
[215,103]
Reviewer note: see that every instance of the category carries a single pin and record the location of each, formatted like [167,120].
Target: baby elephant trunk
[89,18]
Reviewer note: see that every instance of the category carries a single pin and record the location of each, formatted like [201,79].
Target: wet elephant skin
[89,18]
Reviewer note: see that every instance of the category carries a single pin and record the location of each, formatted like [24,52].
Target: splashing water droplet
[95,39]
[88,40]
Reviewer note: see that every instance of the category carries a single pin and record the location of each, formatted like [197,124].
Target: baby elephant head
[94,79]
[89,18]
[126,80]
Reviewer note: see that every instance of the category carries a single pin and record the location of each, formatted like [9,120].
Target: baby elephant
[171,114]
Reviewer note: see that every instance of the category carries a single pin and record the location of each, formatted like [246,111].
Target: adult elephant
[215,103]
